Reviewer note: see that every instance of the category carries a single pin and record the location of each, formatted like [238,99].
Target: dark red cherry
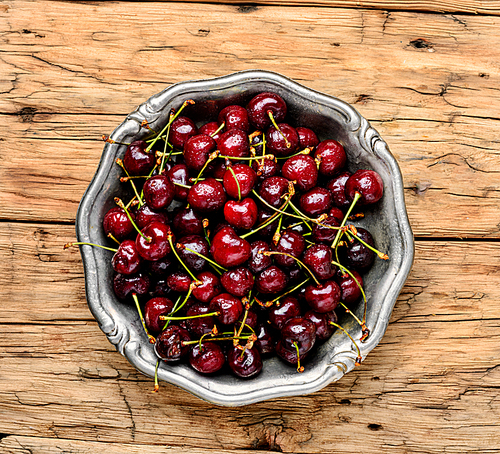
[273,189]
[337,188]
[126,260]
[259,107]
[181,129]
[271,280]
[234,117]
[265,342]
[156,246]
[169,346]
[350,289]
[117,223]
[207,358]
[302,169]
[159,287]
[197,149]
[291,243]
[202,325]
[316,201]
[234,143]
[307,138]
[245,363]
[124,286]
[368,183]
[159,192]
[265,168]
[276,143]
[322,234]
[297,334]
[318,258]
[287,308]
[251,320]
[243,175]
[210,287]
[269,230]
[207,196]
[209,129]
[145,215]
[336,213]
[228,249]
[357,255]
[324,329]
[136,160]
[162,267]
[179,282]
[197,244]
[259,262]
[323,298]
[238,281]
[332,157]
[241,215]
[187,222]
[219,168]
[229,307]
[152,311]
[179,174]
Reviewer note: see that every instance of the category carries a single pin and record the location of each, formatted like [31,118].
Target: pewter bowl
[329,117]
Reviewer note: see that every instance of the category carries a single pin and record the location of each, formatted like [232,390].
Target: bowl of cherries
[244,238]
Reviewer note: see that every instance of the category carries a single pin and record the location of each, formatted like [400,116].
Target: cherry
[234,117]
[265,342]
[209,288]
[152,243]
[357,255]
[291,243]
[323,298]
[159,192]
[179,175]
[162,266]
[181,129]
[318,258]
[152,311]
[351,291]
[179,282]
[302,169]
[307,138]
[282,142]
[234,143]
[245,363]
[336,213]
[238,281]
[265,168]
[260,105]
[316,201]
[126,260]
[298,337]
[229,307]
[220,168]
[202,325]
[251,319]
[259,262]
[207,195]
[169,344]
[197,150]
[160,288]
[210,129]
[367,183]
[268,230]
[117,224]
[324,329]
[188,222]
[323,234]
[272,190]
[145,215]
[271,280]
[331,156]
[136,160]
[337,188]
[241,175]
[207,358]
[195,243]
[242,215]
[228,249]
[288,308]
[124,286]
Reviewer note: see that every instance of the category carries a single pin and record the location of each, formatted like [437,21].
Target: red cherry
[324,329]
[368,183]
[271,280]
[187,222]
[179,282]
[229,307]
[307,138]
[332,157]
[291,243]
[337,188]
[351,291]
[238,281]
[181,129]
[242,215]
[318,258]
[159,192]
[276,143]
[207,195]
[245,363]
[241,175]
[302,169]
[323,298]
[207,358]
[145,215]
[209,129]
[169,346]
[152,311]
[179,174]
[316,201]
[136,160]
[234,117]
[210,287]
[228,249]
[124,286]
[288,308]
[156,245]
[234,143]
[272,189]
[260,105]
[126,260]
[197,149]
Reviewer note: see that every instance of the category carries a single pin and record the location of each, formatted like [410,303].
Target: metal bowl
[329,117]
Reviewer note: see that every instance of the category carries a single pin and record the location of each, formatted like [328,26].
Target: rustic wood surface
[427,78]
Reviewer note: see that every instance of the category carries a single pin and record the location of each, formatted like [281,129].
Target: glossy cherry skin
[324,329]
[357,255]
[145,215]
[207,359]
[152,311]
[275,142]
[124,286]
[207,196]
[269,230]
[159,192]
[291,243]
[234,143]
[337,188]
[265,342]
[229,307]
[336,213]
[259,107]
[245,363]
[187,222]
[350,289]
[228,249]
[136,160]
[169,346]
[244,175]
[259,262]
[158,246]
[179,174]
[234,117]
[126,260]
[210,287]
[332,157]
[323,298]
[179,282]
[322,234]
[199,326]
[368,183]
[219,169]
[302,169]
[209,129]
[271,280]
[307,138]
[181,129]
[191,260]
[316,201]
[288,308]
[241,215]
[251,319]
[272,189]
[265,168]
[117,223]
[197,149]
[318,259]
[238,281]
[297,331]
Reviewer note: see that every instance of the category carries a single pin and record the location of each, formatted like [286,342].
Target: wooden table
[427,77]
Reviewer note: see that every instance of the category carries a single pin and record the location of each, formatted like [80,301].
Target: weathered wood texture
[428,82]
[430,386]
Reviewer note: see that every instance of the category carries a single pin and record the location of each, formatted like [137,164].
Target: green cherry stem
[209,160]
[152,340]
[300,262]
[304,151]
[181,246]
[208,314]
[247,158]
[68,245]
[353,230]
[289,291]
[215,339]
[174,310]
[157,385]
[120,163]
[357,196]
[299,367]
[219,129]
[359,358]
[237,182]
[273,121]
[278,210]
[170,120]
[119,202]
[179,259]
[110,235]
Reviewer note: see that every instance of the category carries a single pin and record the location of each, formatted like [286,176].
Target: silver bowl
[329,117]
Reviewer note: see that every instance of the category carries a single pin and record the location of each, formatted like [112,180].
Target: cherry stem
[110,235]
[181,246]
[184,104]
[174,309]
[206,232]
[108,139]
[237,182]
[299,367]
[208,161]
[219,129]
[278,210]
[214,339]
[248,158]
[166,143]
[169,237]
[304,151]
[208,314]
[119,202]
[358,359]
[152,340]
[289,291]
[273,121]
[302,215]
[182,185]
[277,234]
[300,262]
[357,196]
[157,385]
[68,245]
[120,163]
[380,255]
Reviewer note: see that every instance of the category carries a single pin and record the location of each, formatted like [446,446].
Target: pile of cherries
[235,243]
